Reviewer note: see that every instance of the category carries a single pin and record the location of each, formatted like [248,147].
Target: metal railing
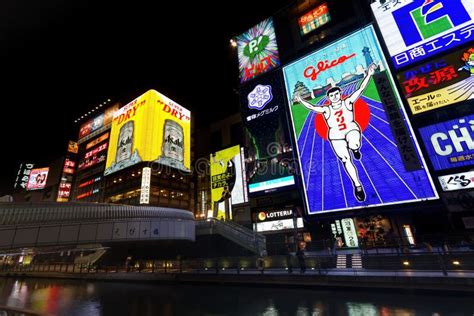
[240,235]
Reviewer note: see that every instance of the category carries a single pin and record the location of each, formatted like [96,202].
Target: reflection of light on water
[302,311]
[270,310]
[90,288]
[361,309]
[18,295]
[89,308]
[318,309]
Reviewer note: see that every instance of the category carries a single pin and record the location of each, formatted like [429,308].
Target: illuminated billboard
[150,128]
[269,162]
[72,147]
[69,166]
[98,140]
[415,30]
[276,220]
[458,181]
[97,122]
[228,184]
[257,50]
[314,19]
[22,176]
[355,144]
[441,82]
[450,144]
[345,233]
[37,179]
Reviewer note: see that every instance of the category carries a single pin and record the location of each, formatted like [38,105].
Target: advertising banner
[257,50]
[345,233]
[354,142]
[72,147]
[441,82]
[37,179]
[415,30]
[98,122]
[69,166]
[145,189]
[275,220]
[450,144]
[98,140]
[22,176]
[150,128]
[269,163]
[227,181]
[314,19]
[458,181]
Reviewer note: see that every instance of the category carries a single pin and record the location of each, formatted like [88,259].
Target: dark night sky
[59,59]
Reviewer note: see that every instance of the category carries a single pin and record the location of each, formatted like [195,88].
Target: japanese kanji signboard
[415,30]
[440,82]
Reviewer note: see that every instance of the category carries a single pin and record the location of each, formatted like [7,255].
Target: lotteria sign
[418,29]
[450,144]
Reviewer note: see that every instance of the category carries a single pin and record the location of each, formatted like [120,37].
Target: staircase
[347,261]
[341,262]
[356,261]
[238,234]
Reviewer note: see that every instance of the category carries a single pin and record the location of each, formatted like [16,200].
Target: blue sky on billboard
[450,144]
[352,140]
[415,30]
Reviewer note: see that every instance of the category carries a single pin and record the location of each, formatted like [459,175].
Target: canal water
[67,297]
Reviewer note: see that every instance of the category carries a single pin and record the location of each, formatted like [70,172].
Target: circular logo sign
[262,216]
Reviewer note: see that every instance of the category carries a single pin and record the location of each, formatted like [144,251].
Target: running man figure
[344,133]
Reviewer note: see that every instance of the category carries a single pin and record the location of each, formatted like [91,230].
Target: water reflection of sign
[314,19]
[257,50]
[440,82]
[459,201]
[458,181]
[450,144]
[418,29]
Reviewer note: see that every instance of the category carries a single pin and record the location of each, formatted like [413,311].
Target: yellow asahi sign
[150,128]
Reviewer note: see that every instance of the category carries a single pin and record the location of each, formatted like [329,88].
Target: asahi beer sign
[415,30]
[450,144]
[150,128]
[354,141]
[458,181]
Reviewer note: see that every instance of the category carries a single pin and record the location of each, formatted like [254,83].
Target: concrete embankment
[409,280]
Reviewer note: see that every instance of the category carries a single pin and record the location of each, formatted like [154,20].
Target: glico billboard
[257,50]
[450,144]
[415,30]
[441,82]
[355,144]
[150,128]
[228,182]
[269,162]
